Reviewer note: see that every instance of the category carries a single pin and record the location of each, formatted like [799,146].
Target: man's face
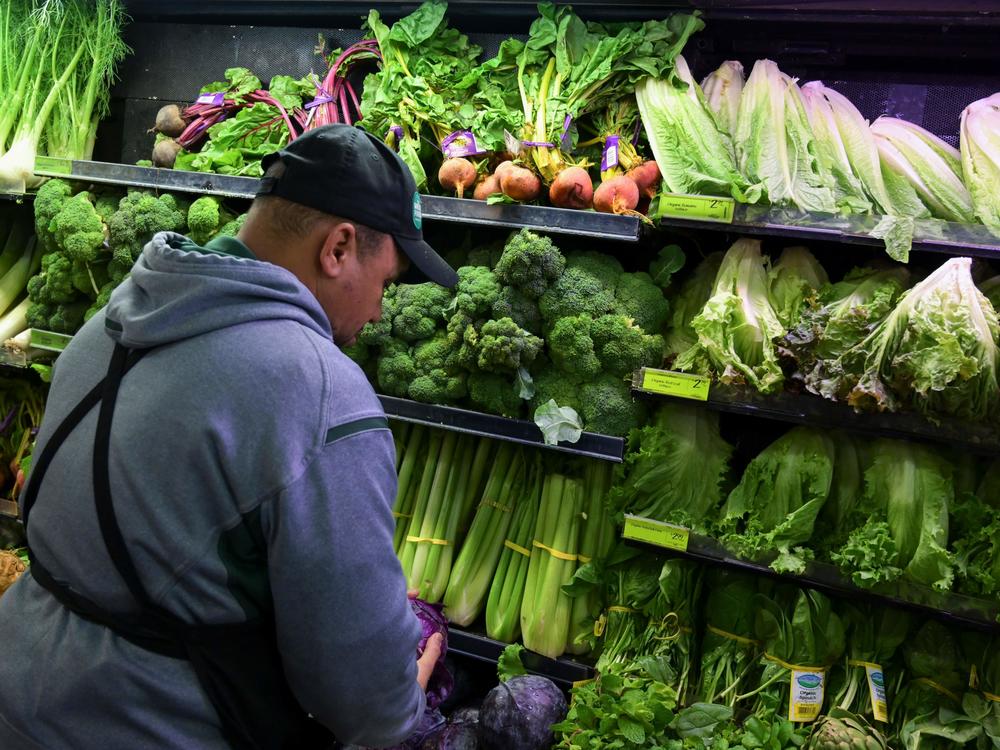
[352,296]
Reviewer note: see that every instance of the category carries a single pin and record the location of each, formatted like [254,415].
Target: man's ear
[339,245]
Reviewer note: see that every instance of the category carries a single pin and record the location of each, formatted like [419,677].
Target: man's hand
[425,664]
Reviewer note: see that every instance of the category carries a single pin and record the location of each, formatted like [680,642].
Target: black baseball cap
[344,171]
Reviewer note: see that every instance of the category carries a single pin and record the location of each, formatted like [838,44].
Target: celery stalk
[503,606]
[433,466]
[430,526]
[473,571]
[439,556]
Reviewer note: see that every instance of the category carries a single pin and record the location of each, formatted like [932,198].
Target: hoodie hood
[175,294]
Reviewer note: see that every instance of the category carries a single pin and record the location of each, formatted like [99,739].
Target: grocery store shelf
[481,648]
[929,235]
[500,428]
[804,408]
[515,216]
[435,208]
[949,607]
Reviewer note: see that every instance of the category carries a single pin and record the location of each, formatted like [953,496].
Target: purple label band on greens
[564,138]
[319,100]
[397,130]
[215,99]
[460,143]
[635,135]
[540,144]
[609,159]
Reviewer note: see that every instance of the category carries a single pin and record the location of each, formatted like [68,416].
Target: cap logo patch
[417,215]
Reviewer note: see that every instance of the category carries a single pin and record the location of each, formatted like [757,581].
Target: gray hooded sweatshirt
[252,472]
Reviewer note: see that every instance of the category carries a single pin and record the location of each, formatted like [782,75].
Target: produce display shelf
[929,235]
[807,409]
[521,431]
[472,645]
[952,608]
[435,208]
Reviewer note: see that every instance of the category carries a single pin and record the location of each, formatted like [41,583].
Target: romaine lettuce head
[737,326]
[980,144]
[795,279]
[914,157]
[692,149]
[723,88]
[690,299]
[775,147]
[991,288]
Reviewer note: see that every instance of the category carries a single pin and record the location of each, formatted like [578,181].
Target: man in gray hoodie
[252,475]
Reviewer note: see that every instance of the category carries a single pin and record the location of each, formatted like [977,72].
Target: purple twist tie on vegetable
[319,100]
[460,143]
[432,621]
[215,99]
[540,144]
[564,139]
[5,425]
[397,129]
[635,135]
[609,159]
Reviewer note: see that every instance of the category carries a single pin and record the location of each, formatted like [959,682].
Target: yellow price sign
[699,207]
[52,165]
[665,535]
[670,383]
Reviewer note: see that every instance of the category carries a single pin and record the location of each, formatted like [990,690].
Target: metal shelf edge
[975,613]
[482,648]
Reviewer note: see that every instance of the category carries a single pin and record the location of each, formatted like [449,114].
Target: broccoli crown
[418,310]
[608,406]
[485,255]
[623,347]
[67,317]
[49,201]
[556,385]
[531,263]
[102,299]
[205,218]
[495,394]
[379,333]
[77,229]
[571,347]
[232,228]
[436,353]
[520,308]
[38,315]
[643,301]
[476,291]
[576,292]
[396,369]
[118,272]
[82,282]
[54,285]
[504,346]
[139,216]
[438,386]
[106,204]
[606,268]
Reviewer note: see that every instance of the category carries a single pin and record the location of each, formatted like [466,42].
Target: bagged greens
[980,148]
[737,326]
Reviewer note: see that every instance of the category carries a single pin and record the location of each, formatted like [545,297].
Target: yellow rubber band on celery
[973,678]
[558,554]
[626,610]
[732,636]
[991,697]
[401,515]
[517,548]
[796,667]
[583,558]
[428,540]
[938,687]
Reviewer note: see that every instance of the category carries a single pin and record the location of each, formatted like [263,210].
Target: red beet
[572,188]
[619,195]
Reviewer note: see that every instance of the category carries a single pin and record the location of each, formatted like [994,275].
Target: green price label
[53,342]
[661,534]
[53,165]
[701,207]
[670,383]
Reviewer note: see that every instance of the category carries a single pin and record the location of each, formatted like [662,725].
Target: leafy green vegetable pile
[526,325]
[90,239]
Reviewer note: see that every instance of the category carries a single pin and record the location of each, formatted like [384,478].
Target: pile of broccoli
[523,326]
[91,239]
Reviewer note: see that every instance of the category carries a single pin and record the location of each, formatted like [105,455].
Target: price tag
[665,535]
[9,508]
[52,165]
[48,340]
[876,689]
[670,383]
[806,700]
[700,207]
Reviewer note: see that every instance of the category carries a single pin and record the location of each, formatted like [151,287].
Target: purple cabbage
[518,714]
[432,620]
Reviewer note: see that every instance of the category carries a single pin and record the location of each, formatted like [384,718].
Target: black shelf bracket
[562,671]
